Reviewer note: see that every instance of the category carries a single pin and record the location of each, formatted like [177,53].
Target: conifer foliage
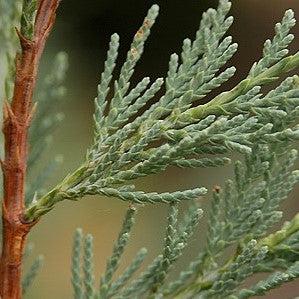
[141,130]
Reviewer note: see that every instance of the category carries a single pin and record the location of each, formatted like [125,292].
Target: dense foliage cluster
[143,129]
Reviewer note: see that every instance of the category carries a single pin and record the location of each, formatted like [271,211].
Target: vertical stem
[11,259]
[17,118]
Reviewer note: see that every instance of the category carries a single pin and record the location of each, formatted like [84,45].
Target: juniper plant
[141,130]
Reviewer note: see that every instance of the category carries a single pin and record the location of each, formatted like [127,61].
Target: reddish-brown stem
[16,121]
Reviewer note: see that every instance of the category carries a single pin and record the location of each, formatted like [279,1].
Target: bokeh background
[83,30]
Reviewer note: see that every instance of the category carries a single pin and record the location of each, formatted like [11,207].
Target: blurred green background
[83,30]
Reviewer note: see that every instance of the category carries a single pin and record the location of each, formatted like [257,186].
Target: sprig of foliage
[245,209]
[273,281]
[32,273]
[153,278]
[118,250]
[133,139]
[171,131]
[76,265]
[47,119]
[260,125]
[33,270]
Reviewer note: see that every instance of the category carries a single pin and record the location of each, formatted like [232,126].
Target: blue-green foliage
[153,277]
[46,120]
[239,220]
[259,125]
[118,250]
[33,270]
[133,139]
[131,142]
